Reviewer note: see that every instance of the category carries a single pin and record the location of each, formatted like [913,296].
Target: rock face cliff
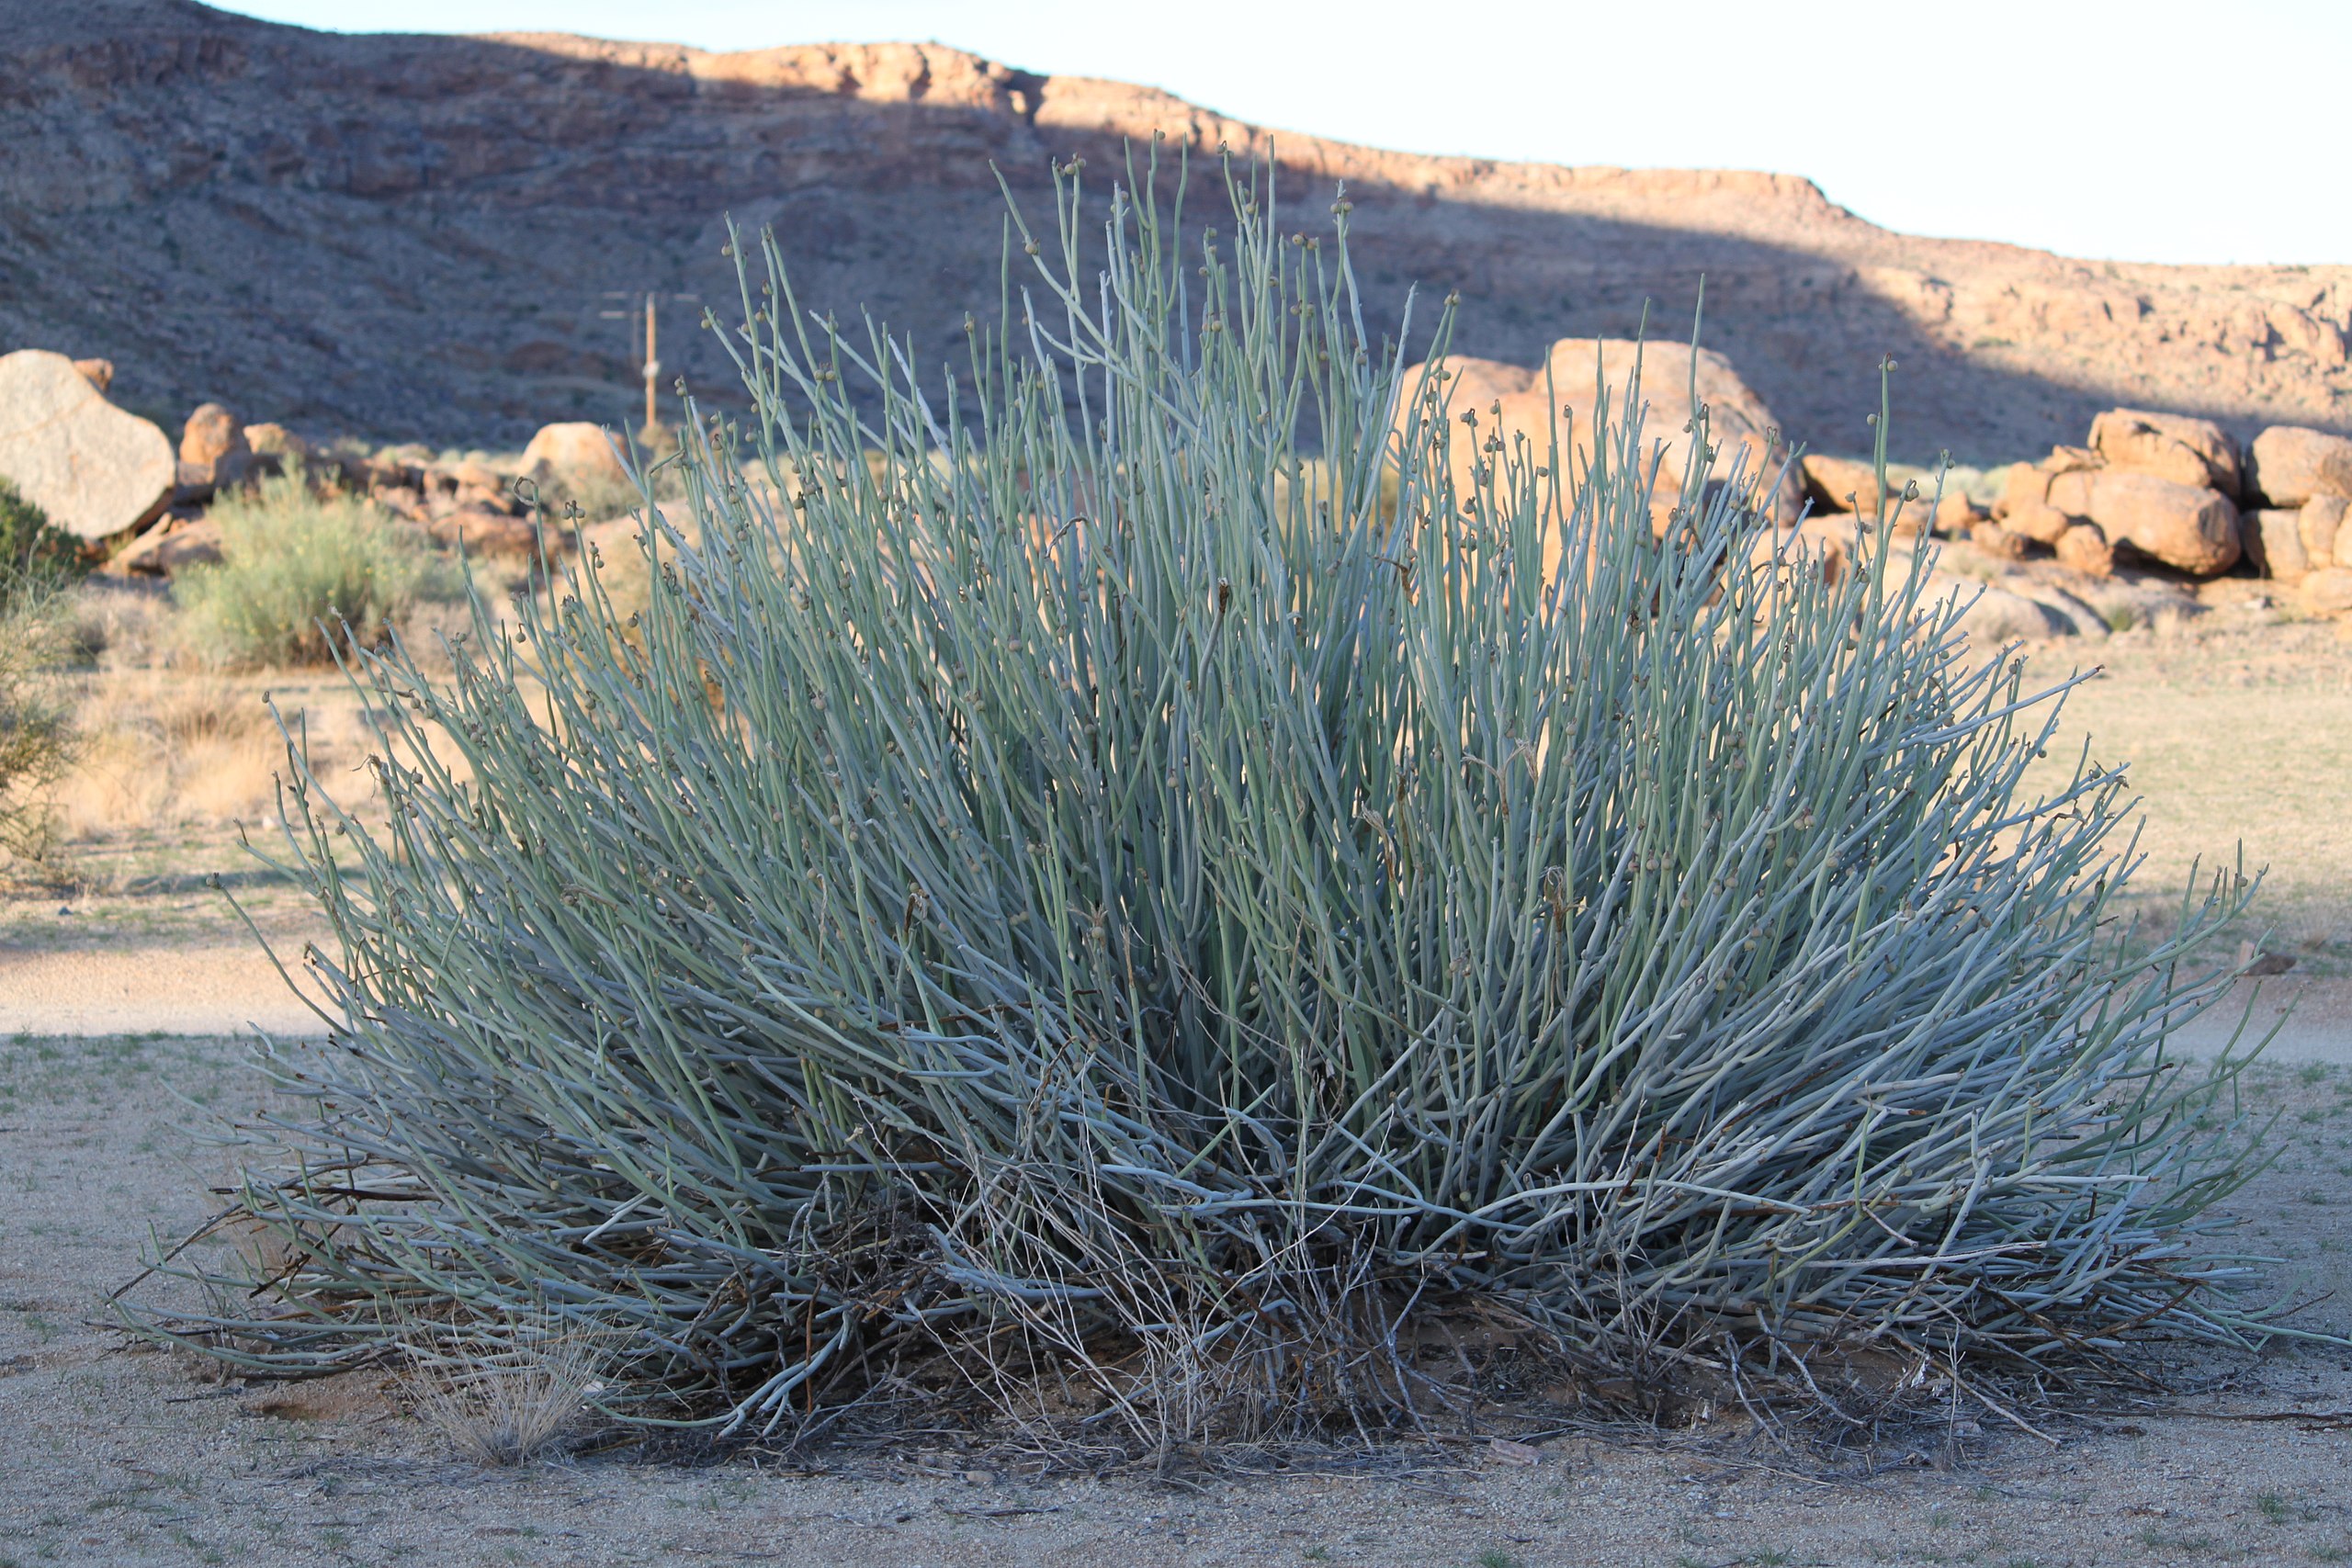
[432,236]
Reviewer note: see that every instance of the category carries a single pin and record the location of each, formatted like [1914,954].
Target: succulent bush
[1062,889]
[297,567]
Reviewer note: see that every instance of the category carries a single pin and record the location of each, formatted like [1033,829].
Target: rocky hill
[422,236]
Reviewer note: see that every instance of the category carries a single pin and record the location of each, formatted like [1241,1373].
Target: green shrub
[1096,899]
[31,546]
[298,567]
[36,706]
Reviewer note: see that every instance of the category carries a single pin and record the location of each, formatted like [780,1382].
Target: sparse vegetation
[33,551]
[1099,907]
[506,1397]
[298,567]
[37,732]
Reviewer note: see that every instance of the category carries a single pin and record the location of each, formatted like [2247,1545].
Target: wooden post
[652,362]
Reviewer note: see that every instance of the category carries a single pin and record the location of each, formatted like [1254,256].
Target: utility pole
[648,347]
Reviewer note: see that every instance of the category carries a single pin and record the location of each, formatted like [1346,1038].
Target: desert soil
[115,1455]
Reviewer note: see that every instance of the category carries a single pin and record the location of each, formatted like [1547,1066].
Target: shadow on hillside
[462,258]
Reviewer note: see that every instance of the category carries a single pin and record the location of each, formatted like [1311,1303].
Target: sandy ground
[136,988]
[113,1455]
[149,989]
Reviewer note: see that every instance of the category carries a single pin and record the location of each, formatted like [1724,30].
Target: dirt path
[111,1455]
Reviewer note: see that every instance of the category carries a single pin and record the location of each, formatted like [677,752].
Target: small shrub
[37,561]
[1084,899]
[298,568]
[32,548]
[37,732]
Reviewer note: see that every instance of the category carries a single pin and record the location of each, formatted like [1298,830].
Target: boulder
[475,475]
[98,373]
[1841,484]
[213,450]
[2040,522]
[2320,521]
[1587,374]
[173,547]
[1997,541]
[2028,484]
[2070,492]
[1821,545]
[212,432]
[2273,538]
[2181,525]
[2326,592]
[400,501]
[577,449]
[275,441]
[2187,451]
[482,531]
[1954,514]
[95,470]
[2085,550]
[1849,485]
[2289,465]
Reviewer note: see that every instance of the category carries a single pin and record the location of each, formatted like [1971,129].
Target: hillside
[417,236]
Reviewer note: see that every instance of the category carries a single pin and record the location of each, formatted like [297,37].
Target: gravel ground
[115,1455]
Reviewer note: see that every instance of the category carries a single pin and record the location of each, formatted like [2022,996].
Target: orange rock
[275,441]
[212,433]
[1586,373]
[1841,484]
[2085,550]
[2291,464]
[2172,447]
[480,531]
[170,547]
[2181,525]
[2273,538]
[1997,541]
[2326,592]
[576,448]
[2041,523]
[2071,492]
[2319,523]
[2028,486]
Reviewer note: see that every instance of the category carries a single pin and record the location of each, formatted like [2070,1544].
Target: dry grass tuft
[164,749]
[511,1400]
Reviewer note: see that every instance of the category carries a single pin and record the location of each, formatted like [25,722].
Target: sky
[2119,130]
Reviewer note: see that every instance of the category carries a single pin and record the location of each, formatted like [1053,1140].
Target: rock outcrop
[2192,452]
[96,471]
[435,223]
[2185,527]
[575,449]
[2290,465]
[1581,389]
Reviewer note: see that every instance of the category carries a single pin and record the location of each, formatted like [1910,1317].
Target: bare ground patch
[130,1456]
